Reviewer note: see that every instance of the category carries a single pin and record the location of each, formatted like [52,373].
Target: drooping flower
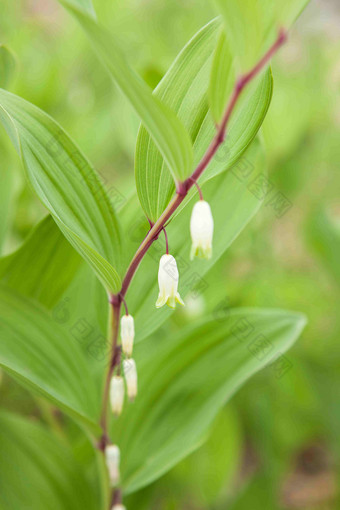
[168,282]
[130,373]
[201,229]
[117,394]
[127,333]
[112,457]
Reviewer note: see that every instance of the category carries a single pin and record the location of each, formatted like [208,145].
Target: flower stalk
[182,189]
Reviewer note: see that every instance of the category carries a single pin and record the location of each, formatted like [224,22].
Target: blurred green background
[276,444]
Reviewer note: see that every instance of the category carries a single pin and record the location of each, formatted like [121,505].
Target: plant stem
[114,316]
[181,192]
[184,187]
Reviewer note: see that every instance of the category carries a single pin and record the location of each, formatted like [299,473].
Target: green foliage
[53,306]
[166,130]
[66,184]
[184,89]
[185,380]
[39,471]
[233,206]
[252,25]
[222,78]
[43,357]
[51,260]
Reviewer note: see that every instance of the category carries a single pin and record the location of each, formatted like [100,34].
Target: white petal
[117,394]
[112,457]
[168,282]
[130,373]
[127,334]
[201,229]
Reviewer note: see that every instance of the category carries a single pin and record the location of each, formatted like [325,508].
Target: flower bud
[130,373]
[127,333]
[117,394]
[201,229]
[118,507]
[112,457]
[168,282]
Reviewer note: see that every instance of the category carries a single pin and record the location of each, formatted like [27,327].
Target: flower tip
[168,277]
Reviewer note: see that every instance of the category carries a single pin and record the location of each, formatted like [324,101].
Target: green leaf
[184,89]
[252,25]
[234,198]
[66,184]
[209,472]
[43,267]
[184,381]
[46,358]
[39,471]
[166,130]
[222,78]
[7,66]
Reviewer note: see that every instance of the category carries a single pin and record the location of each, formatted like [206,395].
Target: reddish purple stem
[181,193]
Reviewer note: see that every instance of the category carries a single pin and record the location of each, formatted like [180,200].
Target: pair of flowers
[117,387]
[201,229]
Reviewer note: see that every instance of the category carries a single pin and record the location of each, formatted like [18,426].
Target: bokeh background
[276,444]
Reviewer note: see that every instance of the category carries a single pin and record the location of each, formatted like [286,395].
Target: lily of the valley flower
[168,282]
[117,394]
[112,457]
[201,229]
[130,373]
[127,334]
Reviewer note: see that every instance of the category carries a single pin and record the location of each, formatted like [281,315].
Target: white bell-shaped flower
[130,373]
[127,333]
[112,457]
[168,282]
[118,507]
[201,229]
[117,394]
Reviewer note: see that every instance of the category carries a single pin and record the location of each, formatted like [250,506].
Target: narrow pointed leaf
[44,266]
[46,358]
[222,78]
[184,88]
[38,471]
[166,130]
[252,25]
[186,379]
[67,185]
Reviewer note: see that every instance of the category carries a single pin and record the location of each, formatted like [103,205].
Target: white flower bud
[168,282]
[201,229]
[118,507]
[130,373]
[127,333]
[112,457]
[117,394]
